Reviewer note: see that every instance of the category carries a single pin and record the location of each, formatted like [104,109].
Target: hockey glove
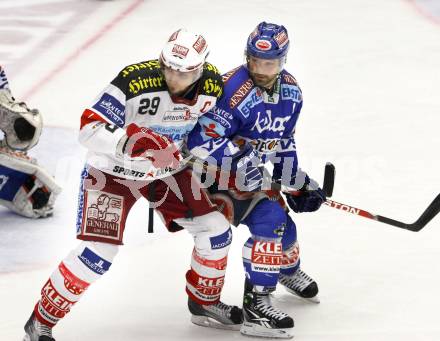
[308,199]
[22,126]
[249,177]
[144,142]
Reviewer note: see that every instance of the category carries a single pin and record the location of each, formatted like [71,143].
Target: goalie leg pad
[25,187]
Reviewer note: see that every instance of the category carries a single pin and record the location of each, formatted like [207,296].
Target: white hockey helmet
[185,51]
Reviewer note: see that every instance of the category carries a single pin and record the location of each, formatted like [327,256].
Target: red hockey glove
[141,139]
[168,157]
[158,148]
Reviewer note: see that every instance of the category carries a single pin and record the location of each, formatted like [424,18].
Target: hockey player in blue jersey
[25,187]
[252,124]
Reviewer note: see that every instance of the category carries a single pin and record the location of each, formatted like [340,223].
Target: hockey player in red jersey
[134,132]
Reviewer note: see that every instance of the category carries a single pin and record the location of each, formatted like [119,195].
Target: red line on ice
[424,12]
[46,79]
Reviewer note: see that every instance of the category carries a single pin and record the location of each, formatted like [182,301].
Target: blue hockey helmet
[268,41]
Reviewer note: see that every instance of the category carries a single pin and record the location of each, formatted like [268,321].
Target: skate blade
[251,329]
[315,299]
[206,321]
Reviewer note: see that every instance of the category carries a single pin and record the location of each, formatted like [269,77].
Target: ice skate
[261,318]
[219,315]
[37,331]
[301,285]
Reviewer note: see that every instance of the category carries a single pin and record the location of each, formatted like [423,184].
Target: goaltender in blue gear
[252,125]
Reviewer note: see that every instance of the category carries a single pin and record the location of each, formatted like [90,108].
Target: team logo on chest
[254,98]
[264,122]
[265,146]
[179,114]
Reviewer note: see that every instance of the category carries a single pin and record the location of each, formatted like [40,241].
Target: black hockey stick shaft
[431,211]
[329,179]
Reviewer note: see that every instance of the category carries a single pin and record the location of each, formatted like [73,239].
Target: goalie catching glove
[21,126]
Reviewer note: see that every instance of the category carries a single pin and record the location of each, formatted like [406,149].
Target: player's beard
[178,85]
[177,90]
[180,91]
[264,81]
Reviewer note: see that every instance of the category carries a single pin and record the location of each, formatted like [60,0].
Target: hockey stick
[328,183]
[329,177]
[429,213]
[432,210]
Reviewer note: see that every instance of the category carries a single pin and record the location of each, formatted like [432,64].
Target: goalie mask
[21,126]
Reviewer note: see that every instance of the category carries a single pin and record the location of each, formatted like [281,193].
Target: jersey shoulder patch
[237,85]
[212,83]
[140,78]
[148,66]
[287,78]
[290,89]
[228,75]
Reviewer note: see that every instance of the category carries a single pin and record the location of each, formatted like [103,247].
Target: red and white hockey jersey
[139,94]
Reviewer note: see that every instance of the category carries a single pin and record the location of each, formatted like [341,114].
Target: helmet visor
[179,81]
[265,66]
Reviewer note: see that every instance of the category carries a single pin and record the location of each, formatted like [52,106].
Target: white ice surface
[369,71]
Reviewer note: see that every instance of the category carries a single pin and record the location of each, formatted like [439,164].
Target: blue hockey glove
[308,199]
[249,177]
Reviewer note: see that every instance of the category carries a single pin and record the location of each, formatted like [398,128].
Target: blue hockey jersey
[246,113]
[3,79]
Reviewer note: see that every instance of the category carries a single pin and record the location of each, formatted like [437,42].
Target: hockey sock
[262,261]
[84,265]
[290,260]
[205,279]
